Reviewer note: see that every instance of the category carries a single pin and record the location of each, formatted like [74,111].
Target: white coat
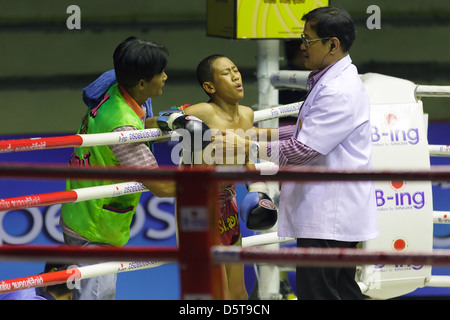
[335,122]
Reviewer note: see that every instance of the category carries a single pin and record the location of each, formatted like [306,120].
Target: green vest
[105,220]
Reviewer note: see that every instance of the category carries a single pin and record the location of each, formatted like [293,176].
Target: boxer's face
[227,79]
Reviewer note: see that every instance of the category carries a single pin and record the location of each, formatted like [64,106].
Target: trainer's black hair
[332,22]
[136,59]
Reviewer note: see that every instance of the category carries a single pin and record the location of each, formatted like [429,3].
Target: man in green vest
[140,71]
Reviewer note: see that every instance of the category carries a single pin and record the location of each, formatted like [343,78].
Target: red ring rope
[436,173]
[40,143]
[75,195]
[47,279]
[326,256]
[71,253]
[38,200]
[74,273]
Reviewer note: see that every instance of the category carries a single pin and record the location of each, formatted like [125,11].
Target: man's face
[155,85]
[227,80]
[316,52]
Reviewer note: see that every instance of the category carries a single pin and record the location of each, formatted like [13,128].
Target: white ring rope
[286,110]
[113,138]
[432,91]
[298,80]
[263,239]
[439,150]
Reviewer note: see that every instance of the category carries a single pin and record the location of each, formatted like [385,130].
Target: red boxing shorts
[229,229]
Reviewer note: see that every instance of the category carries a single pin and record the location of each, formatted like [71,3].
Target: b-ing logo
[398,267]
[394,134]
[400,198]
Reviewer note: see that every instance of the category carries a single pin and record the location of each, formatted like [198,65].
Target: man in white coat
[332,130]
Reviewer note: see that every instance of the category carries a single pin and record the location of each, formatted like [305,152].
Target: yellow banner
[259,19]
[273,18]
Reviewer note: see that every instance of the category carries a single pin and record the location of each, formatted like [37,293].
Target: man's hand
[234,148]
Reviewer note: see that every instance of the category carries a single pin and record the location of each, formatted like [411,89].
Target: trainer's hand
[240,146]
[235,146]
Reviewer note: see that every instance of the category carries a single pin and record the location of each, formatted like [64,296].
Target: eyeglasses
[307,42]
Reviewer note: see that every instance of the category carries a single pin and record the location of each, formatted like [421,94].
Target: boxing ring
[197,232]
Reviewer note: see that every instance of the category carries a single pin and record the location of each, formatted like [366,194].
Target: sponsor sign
[258,19]
[405,208]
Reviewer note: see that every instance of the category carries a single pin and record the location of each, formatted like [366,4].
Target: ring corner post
[200,279]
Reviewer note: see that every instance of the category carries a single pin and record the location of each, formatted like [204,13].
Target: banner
[258,19]
[405,208]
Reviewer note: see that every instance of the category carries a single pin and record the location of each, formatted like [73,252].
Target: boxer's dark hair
[205,70]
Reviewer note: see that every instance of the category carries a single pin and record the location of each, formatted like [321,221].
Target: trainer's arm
[150,123]
[139,155]
[286,151]
[266,134]
[290,152]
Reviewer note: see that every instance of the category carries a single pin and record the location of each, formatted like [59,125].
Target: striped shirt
[133,154]
[288,150]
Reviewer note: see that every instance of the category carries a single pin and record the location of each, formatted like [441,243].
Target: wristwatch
[254,149]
